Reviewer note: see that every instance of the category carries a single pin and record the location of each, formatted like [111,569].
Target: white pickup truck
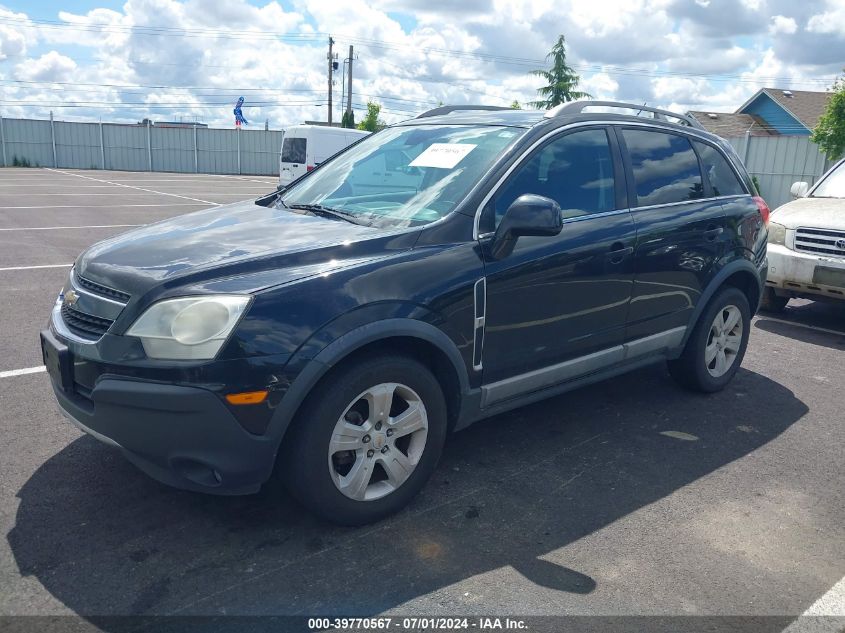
[807,243]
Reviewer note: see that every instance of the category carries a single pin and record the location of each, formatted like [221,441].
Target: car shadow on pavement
[508,494]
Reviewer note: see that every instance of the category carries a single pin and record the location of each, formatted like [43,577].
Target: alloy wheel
[724,341]
[378,441]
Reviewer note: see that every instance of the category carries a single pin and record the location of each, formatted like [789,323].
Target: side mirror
[528,215]
[799,189]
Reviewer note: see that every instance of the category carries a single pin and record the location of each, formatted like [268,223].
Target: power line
[387,45]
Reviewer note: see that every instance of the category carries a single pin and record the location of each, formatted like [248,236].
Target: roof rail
[576,107]
[453,108]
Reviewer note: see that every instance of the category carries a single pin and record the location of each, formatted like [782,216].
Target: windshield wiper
[326,212]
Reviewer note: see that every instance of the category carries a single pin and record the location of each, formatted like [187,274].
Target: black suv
[443,270]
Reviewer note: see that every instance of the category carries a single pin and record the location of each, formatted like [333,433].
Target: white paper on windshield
[443,155]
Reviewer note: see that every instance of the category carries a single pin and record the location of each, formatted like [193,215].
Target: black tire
[771,301]
[305,467]
[690,370]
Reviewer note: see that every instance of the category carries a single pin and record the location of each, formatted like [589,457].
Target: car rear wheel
[716,347]
[772,302]
[367,439]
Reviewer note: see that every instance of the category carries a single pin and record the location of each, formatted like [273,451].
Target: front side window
[833,186]
[665,167]
[575,170]
[722,178]
[404,176]
[293,150]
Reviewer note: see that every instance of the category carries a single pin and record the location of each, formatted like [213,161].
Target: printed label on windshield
[444,155]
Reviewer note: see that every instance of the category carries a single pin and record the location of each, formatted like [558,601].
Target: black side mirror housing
[529,214]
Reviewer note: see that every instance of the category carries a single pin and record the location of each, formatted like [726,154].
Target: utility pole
[349,85]
[331,68]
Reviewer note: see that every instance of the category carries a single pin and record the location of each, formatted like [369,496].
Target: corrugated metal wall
[140,148]
[778,161]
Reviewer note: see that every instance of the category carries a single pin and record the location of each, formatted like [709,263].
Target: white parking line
[108,182]
[54,228]
[21,372]
[35,267]
[803,325]
[815,619]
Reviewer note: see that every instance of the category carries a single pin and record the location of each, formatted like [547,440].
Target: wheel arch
[739,274]
[417,339]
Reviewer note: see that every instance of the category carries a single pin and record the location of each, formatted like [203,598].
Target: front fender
[310,368]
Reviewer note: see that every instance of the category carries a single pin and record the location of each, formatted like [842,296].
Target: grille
[103,291]
[820,241]
[84,325]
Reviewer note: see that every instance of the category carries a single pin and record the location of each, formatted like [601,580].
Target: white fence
[139,147]
[778,161]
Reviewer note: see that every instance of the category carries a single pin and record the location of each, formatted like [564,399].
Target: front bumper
[796,273]
[182,436]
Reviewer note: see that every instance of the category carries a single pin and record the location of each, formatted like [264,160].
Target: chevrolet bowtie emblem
[70,298]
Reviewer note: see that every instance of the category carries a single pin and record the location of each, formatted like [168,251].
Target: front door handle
[713,232]
[618,252]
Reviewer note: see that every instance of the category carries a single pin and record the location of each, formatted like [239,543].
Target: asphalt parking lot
[627,497]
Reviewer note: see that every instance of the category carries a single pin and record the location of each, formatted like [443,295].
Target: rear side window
[575,170]
[665,167]
[293,150]
[722,178]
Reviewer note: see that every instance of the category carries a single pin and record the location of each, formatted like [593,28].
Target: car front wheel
[367,439]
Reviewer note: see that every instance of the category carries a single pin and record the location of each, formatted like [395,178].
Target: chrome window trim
[693,132]
[675,204]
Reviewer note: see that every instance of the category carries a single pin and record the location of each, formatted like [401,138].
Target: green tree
[515,105]
[348,119]
[371,122]
[562,81]
[830,131]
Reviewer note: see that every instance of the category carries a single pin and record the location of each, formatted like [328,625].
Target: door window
[293,150]
[575,170]
[665,167]
[722,178]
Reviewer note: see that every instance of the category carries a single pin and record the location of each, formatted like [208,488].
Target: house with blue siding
[787,112]
[770,111]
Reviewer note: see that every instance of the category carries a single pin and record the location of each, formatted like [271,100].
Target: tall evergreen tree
[562,81]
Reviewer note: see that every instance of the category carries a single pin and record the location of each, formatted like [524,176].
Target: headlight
[777,233]
[189,328]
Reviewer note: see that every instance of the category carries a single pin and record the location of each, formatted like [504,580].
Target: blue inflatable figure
[239,116]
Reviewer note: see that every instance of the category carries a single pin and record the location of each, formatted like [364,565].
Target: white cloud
[665,52]
[15,35]
[783,24]
[831,21]
[50,67]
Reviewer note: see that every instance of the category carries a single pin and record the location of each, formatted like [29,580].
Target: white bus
[306,146]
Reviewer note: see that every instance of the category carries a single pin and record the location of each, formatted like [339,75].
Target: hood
[236,239]
[818,213]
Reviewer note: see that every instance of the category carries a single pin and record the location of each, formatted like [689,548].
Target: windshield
[833,186]
[403,176]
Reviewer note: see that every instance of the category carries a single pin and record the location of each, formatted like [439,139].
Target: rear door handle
[713,232]
[618,252]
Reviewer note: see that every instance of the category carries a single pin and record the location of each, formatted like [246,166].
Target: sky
[190,60]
